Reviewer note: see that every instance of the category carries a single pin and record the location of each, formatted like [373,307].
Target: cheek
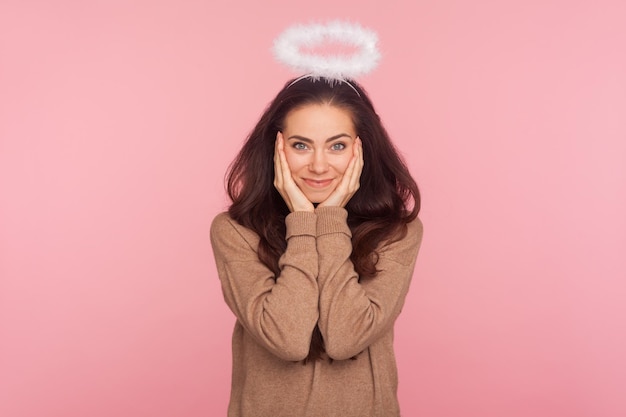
[342,162]
[294,160]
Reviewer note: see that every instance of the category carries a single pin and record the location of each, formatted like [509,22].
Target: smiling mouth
[318,183]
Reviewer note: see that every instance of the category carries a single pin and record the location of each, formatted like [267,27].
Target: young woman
[315,256]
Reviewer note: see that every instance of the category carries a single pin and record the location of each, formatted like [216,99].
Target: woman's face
[318,147]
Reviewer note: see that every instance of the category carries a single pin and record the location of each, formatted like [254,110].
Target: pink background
[118,120]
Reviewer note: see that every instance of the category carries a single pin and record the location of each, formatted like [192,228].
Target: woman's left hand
[350,181]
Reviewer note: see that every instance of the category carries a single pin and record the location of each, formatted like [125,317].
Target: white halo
[287,50]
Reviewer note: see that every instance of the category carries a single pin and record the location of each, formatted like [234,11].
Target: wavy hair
[388,197]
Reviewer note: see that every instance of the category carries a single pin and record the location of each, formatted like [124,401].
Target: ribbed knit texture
[317,285]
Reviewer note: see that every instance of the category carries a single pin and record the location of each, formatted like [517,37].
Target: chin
[316,199]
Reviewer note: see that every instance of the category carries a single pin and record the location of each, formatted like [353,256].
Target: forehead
[319,118]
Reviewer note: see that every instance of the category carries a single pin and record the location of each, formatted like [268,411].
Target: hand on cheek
[283,181]
[350,181]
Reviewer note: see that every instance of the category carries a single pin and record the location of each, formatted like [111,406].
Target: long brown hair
[388,197]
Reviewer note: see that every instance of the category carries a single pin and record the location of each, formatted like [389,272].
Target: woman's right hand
[283,181]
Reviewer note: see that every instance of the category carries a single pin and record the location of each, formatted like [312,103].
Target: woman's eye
[300,146]
[338,147]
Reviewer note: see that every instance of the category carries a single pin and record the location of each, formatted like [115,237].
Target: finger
[344,190]
[358,168]
[352,168]
[278,175]
[350,181]
[284,165]
[280,155]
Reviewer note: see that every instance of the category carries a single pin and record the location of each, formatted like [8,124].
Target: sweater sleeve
[355,314]
[279,312]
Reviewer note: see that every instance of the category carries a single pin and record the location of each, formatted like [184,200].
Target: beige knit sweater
[317,285]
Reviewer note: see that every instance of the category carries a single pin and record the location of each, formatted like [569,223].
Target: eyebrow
[330,139]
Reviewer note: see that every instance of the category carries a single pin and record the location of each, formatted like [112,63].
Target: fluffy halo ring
[287,50]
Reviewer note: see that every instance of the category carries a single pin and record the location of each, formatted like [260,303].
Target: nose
[319,163]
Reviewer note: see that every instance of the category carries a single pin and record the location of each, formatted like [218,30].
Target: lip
[317,183]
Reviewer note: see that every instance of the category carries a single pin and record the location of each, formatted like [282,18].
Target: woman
[315,256]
